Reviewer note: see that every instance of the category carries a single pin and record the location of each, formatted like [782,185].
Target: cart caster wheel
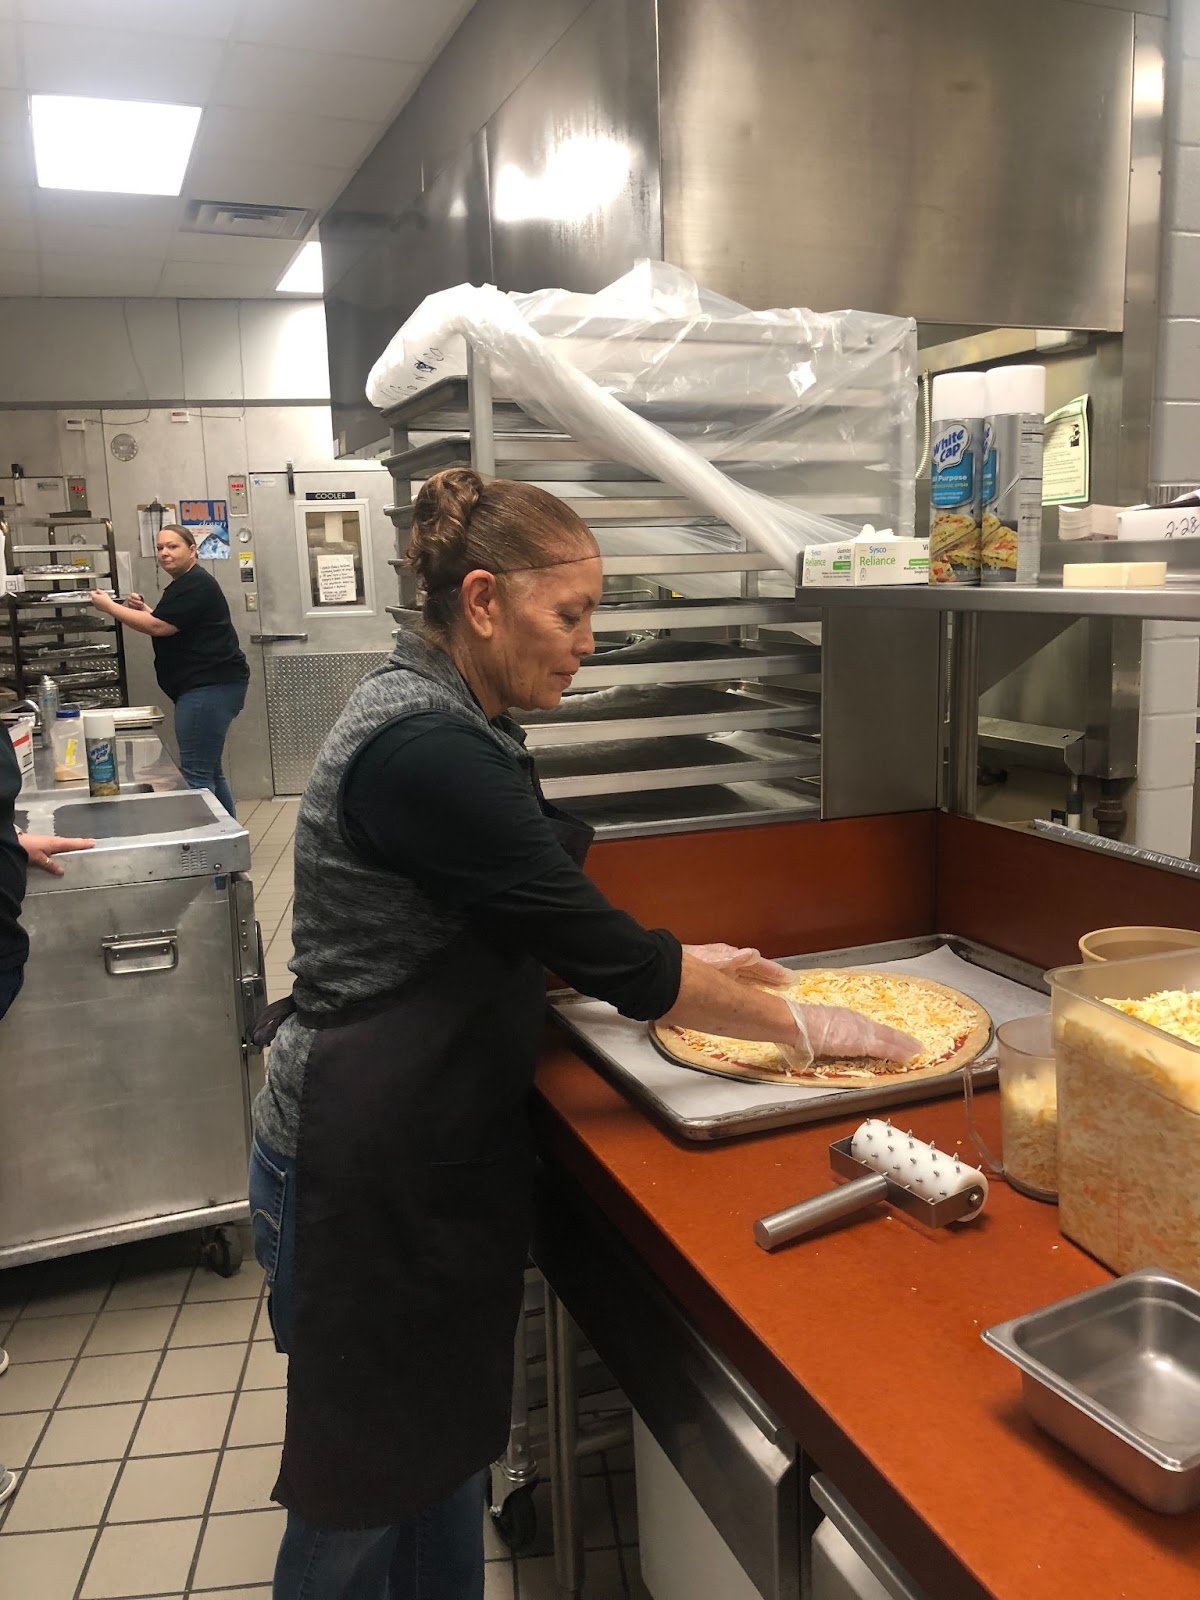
[516,1520]
[221,1251]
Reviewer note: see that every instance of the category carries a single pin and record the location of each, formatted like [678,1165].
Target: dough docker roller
[884,1164]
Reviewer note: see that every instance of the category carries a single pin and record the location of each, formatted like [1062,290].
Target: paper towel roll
[922,1167]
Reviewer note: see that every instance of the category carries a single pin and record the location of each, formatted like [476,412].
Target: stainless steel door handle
[141,952]
[278,638]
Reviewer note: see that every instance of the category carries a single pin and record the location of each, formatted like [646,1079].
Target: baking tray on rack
[699,1106]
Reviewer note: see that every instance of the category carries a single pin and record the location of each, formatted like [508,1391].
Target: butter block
[1093,575]
[1114,574]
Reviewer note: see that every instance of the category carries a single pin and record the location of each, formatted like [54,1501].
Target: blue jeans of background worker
[435,1555]
[202,721]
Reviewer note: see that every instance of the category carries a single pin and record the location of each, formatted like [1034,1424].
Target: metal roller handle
[810,1215]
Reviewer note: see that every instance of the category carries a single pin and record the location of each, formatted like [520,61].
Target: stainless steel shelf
[626,767]
[661,712]
[740,805]
[31,549]
[690,614]
[1174,603]
[669,564]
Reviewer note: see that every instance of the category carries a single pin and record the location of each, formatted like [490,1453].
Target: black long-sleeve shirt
[438,801]
[14,944]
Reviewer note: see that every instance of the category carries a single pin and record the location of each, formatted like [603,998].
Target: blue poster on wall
[208,523]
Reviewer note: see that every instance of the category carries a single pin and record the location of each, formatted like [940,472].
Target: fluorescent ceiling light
[304,274]
[112,146]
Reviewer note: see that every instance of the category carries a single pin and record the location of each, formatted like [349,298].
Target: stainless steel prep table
[125,1084]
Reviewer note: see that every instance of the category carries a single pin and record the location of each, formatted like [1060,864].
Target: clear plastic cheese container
[1128,1117]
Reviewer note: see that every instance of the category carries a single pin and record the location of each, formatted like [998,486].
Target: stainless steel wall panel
[966,167]
[573,156]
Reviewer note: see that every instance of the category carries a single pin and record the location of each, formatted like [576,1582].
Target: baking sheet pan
[697,1105]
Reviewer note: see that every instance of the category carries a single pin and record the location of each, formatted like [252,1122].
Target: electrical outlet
[75,425]
[251,602]
[180,416]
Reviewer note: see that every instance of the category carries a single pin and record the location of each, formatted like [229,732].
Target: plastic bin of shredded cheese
[1127,1050]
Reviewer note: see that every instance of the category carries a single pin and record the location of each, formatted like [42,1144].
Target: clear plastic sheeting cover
[794,427]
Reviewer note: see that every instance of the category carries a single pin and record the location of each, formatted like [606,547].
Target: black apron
[413,1210]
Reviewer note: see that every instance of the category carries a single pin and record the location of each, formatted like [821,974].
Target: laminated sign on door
[336,581]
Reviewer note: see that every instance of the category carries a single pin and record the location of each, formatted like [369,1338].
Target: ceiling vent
[242,219]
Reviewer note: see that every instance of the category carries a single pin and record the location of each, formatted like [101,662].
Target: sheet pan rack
[702,704]
[47,624]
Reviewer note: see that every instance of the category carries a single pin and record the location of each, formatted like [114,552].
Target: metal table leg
[563,1405]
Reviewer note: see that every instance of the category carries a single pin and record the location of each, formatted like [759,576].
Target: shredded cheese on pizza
[940,1023]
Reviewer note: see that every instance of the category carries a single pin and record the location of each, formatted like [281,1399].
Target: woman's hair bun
[440,541]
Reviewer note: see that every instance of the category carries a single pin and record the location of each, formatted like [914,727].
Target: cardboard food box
[21,734]
[858,563]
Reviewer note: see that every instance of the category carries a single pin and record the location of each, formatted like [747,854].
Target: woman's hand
[103,602]
[737,963]
[41,848]
[835,1032]
[136,602]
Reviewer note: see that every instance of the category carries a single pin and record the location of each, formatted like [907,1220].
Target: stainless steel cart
[126,1085]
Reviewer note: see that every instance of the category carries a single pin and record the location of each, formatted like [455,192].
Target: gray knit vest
[360,930]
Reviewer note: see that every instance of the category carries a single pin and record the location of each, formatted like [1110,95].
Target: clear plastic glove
[837,1033]
[739,963]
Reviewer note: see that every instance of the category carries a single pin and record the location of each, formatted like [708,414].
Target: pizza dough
[952,1027]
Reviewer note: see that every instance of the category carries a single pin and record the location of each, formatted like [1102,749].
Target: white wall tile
[1182,187]
[1185,25]
[1185,123]
[1175,451]
[1179,358]
[1170,630]
[1169,675]
[1181,275]
[1166,749]
[1163,820]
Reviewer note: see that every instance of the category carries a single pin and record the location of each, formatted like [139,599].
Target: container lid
[67,711]
[1012,391]
[958,394]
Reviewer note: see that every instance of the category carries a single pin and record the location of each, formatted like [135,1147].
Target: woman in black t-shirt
[197,659]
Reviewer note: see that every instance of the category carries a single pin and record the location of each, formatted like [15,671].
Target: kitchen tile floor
[144,1407]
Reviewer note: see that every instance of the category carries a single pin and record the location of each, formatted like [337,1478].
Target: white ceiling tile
[72,273]
[16,203]
[211,278]
[393,30]
[76,236]
[193,19]
[10,56]
[275,183]
[318,141]
[14,116]
[18,261]
[18,233]
[16,165]
[272,78]
[272,255]
[107,210]
[110,63]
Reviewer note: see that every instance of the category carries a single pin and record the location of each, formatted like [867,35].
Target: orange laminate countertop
[866,1341]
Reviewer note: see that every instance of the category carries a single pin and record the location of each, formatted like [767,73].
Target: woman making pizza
[391,1169]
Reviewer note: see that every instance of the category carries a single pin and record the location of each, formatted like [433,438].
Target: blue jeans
[202,720]
[436,1554]
[11,980]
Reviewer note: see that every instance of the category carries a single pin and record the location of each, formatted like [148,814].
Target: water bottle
[69,759]
[47,699]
